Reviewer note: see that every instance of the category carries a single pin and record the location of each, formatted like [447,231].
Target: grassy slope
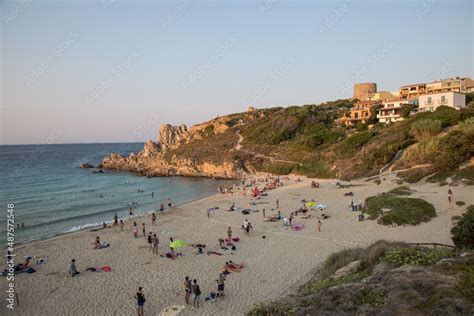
[306,140]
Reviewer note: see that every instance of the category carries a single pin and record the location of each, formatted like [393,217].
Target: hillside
[305,140]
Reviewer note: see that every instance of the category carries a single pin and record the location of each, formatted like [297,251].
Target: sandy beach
[274,265]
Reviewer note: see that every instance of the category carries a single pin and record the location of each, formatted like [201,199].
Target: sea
[51,195]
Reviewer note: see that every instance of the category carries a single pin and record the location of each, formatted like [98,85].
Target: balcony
[445,101]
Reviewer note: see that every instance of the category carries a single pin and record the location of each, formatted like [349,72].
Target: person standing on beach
[187,289]
[197,293]
[220,285]
[169,203]
[149,241]
[450,195]
[121,225]
[278,204]
[162,208]
[115,219]
[135,230]
[155,242]
[319,225]
[153,219]
[140,297]
[229,234]
[143,230]
[263,212]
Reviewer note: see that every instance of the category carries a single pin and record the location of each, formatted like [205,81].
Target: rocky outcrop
[86,165]
[173,136]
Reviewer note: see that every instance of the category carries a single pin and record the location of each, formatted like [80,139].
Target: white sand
[274,265]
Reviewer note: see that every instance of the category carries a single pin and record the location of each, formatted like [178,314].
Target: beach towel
[298,227]
[214,253]
[236,239]
[106,268]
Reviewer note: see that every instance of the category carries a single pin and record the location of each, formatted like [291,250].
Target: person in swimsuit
[143,230]
[169,203]
[155,242]
[140,297]
[153,219]
[135,230]
[187,290]
[115,219]
[197,293]
[97,242]
[72,268]
[229,234]
[220,285]
[149,241]
[121,225]
[162,208]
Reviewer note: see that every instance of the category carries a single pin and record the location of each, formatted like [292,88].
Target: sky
[113,71]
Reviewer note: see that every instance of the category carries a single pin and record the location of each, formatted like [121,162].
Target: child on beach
[197,293]
[140,297]
[135,230]
[155,242]
[150,242]
[72,268]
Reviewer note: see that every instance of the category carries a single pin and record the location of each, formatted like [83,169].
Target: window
[443,99]
[430,101]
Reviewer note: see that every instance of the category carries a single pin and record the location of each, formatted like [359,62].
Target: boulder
[173,136]
[351,268]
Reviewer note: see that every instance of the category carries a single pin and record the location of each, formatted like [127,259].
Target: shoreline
[277,259]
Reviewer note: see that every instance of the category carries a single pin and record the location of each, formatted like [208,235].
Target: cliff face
[165,157]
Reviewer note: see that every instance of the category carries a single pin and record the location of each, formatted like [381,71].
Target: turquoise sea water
[52,195]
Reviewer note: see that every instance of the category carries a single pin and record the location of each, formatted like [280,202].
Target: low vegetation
[392,208]
[385,283]
[463,231]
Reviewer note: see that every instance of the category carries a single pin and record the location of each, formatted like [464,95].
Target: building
[390,112]
[381,95]
[430,102]
[451,84]
[412,91]
[360,113]
[363,90]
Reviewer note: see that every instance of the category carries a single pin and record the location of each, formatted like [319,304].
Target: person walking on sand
[150,241]
[263,212]
[319,225]
[278,204]
[450,195]
[197,293]
[169,203]
[187,289]
[162,208]
[121,225]
[153,219]
[220,285]
[229,234]
[140,297]
[143,230]
[155,242]
[135,230]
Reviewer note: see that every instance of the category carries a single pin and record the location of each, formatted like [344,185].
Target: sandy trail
[274,265]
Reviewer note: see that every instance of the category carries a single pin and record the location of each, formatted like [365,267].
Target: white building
[430,102]
[390,112]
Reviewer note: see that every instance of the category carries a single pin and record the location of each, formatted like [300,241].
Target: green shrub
[401,190]
[462,233]
[415,255]
[354,143]
[425,129]
[466,282]
[448,116]
[389,209]
[351,278]
[454,149]
[406,110]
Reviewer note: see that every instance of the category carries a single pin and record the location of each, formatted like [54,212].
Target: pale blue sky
[113,71]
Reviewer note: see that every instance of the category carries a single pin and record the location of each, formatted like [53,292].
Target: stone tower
[362,90]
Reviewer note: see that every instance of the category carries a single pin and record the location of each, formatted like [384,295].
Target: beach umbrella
[310,204]
[178,244]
